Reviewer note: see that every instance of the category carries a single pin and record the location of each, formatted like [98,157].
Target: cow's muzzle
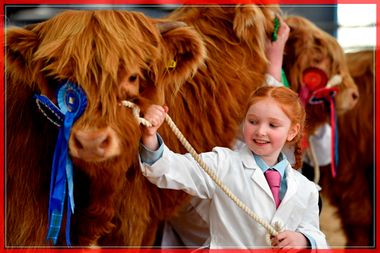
[94,145]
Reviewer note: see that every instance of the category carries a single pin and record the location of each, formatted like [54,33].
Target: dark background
[324,16]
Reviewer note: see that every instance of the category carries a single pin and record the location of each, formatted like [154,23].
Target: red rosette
[314,78]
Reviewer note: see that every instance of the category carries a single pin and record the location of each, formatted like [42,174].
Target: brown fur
[352,191]
[98,50]
[309,46]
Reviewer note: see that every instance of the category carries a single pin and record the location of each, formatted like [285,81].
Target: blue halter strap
[72,102]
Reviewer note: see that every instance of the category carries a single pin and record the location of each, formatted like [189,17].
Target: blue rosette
[72,102]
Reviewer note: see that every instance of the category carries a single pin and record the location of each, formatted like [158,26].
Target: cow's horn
[163,27]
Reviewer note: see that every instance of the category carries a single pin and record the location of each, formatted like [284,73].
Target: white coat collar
[259,178]
[247,158]
[249,163]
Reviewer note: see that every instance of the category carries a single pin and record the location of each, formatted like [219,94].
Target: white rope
[136,113]
[272,230]
[311,153]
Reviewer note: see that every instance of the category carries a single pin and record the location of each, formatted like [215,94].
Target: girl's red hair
[289,102]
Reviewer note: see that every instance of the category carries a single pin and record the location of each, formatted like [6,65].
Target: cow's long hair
[235,66]
[352,190]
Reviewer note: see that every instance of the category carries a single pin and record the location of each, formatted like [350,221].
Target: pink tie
[274,178]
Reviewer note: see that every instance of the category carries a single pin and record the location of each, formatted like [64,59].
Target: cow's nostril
[355,95]
[77,143]
[106,142]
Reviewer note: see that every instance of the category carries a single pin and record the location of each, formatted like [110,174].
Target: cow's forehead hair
[316,46]
[328,46]
[93,47]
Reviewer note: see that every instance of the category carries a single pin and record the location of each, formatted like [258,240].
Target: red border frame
[133,250]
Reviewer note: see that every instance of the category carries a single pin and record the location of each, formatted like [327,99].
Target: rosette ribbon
[72,102]
[327,95]
[318,88]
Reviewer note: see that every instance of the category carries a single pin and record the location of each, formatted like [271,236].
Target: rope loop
[272,230]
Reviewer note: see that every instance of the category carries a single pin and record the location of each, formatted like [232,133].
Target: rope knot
[136,113]
[278,226]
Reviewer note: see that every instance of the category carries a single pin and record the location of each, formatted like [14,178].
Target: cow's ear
[251,25]
[21,43]
[301,30]
[185,49]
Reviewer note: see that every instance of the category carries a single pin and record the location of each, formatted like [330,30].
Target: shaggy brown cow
[352,190]
[113,56]
[309,46]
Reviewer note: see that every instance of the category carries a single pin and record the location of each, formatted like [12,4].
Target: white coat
[230,227]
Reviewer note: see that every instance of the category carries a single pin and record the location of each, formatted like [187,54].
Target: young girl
[274,117]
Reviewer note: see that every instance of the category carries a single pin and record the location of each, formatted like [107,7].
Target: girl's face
[267,128]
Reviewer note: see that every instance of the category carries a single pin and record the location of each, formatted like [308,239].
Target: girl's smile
[267,128]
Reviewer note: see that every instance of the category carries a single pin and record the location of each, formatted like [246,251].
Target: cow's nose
[91,144]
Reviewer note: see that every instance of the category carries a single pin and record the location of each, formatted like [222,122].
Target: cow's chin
[99,169]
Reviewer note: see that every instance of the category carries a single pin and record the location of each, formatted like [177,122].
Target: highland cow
[114,56]
[352,190]
[308,46]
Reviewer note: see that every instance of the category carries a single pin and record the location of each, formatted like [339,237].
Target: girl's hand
[289,240]
[155,114]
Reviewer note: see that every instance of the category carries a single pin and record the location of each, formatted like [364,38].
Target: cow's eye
[132,78]
[129,85]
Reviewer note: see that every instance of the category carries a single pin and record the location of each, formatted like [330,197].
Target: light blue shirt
[280,166]
[151,156]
